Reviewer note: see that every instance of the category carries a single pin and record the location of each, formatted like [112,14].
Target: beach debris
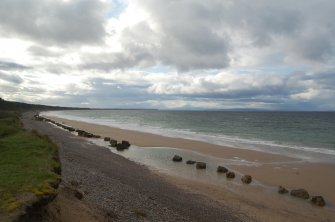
[107,139]
[282,190]
[80,132]
[200,165]
[120,147]
[300,193]
[71,129]
[177,158]
[83,133]
[247,179]
[88,135]
[318,201]
[222,169]
[125,143]
[191,162]
[230,175]
[113,142]
[38,117]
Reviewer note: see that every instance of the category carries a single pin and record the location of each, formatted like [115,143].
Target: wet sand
[258,203]
[272,170]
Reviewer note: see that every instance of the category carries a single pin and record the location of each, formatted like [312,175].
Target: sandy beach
[113,188]
[272,170]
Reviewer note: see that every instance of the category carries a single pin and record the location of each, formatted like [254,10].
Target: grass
[139,213]
[26,162]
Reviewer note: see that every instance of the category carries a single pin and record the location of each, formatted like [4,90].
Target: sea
[309,136]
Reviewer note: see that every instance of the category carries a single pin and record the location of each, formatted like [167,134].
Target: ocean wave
[302,152]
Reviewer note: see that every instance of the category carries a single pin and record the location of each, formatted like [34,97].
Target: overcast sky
[169,54]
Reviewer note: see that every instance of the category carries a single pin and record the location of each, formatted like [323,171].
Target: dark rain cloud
[278,91]
[11,66]
[272,93]
[11,78]
[53,22]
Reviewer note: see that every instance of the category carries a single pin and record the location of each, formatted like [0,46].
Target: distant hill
[9,105]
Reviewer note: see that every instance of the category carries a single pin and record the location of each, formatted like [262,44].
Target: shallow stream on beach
[159,159]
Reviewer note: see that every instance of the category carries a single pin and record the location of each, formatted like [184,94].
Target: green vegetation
[27,161]
[9,105]
[139,213]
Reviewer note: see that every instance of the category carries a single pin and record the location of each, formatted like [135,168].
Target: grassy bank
[27,162]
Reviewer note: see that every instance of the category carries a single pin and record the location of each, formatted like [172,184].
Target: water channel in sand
[159,159]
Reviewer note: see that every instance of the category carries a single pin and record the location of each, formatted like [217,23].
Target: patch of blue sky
[118,6]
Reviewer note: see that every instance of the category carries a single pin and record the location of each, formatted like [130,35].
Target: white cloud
[173,54]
